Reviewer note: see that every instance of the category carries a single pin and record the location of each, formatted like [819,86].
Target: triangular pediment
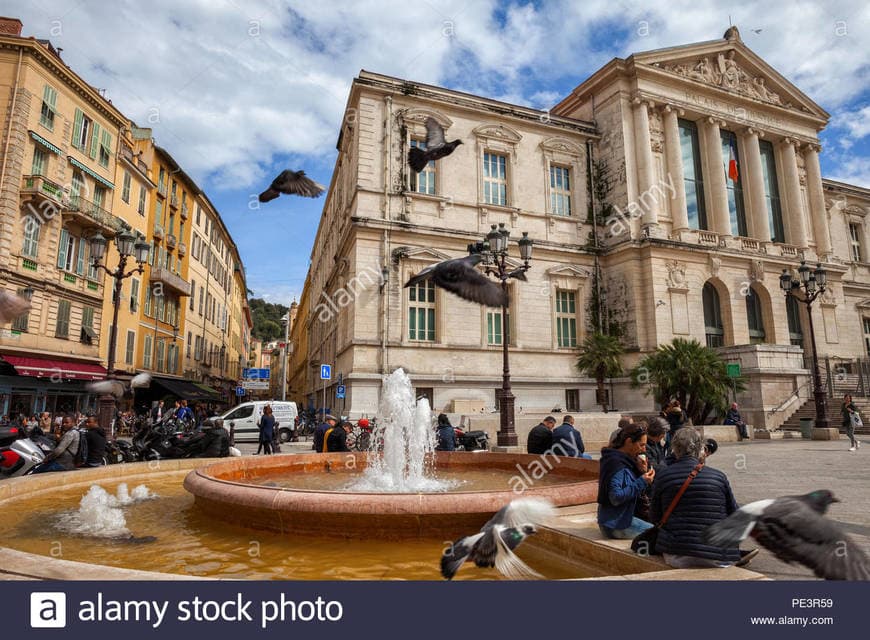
[864,304]
[420,254]
[730,66]
[569,270]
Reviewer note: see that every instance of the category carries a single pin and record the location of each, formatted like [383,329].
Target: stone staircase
[808,410]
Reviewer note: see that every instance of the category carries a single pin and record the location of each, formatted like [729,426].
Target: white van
[243,419]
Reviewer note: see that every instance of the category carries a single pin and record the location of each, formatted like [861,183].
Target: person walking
[266,425]
[850,417]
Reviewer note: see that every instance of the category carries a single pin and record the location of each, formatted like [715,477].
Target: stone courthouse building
[703,162]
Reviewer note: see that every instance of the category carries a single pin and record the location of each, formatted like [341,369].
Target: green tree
[690,372]
[599,359]
[267,319]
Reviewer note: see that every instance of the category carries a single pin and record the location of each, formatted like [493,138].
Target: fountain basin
[228,490]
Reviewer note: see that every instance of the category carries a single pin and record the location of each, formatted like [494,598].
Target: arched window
[754,318]
[793,311]
[713,317]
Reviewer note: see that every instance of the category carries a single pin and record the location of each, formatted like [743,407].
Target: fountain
[407,490]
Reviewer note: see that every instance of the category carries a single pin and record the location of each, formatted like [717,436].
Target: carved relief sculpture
[676,275]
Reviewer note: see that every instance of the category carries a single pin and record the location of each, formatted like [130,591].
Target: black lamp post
[128,245]
[494,250]
[810,285]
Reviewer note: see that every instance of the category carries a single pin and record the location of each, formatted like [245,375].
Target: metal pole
[507,436]
[821,400]
[285,353]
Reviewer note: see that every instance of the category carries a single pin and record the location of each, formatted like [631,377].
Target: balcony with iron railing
[170,280]
[90,213]
[41,191]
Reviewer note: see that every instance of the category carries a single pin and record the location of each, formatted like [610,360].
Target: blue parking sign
[339,392]
[325,372]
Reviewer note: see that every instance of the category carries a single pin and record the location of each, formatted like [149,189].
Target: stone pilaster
[720,220]
[818,214]
[758,214]
[674,156]
[794,207]
[644,159]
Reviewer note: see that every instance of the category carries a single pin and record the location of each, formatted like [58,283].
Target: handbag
[856,420]
[644,543]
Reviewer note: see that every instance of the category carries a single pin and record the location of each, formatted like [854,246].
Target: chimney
[10,26]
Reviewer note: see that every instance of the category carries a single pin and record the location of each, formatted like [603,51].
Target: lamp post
[809,286]
[128,245]
[284,353]
[494,250]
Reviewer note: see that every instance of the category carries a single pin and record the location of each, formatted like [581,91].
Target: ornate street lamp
[809,285]
[128,245]
[494,250]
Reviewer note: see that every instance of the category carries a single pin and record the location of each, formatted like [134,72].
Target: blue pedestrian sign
[325,372]
[240,391]
[339,392]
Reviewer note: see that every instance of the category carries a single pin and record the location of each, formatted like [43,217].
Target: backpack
[81,456]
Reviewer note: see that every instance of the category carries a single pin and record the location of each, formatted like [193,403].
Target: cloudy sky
[239,89]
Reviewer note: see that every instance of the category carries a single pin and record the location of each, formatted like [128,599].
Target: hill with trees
[267,319]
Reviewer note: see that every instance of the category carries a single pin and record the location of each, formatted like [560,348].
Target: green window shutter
[38,166]
[61,329]
[61,251]
[77,128]
[49,96]
[80,262]
[88,317]
[95,140]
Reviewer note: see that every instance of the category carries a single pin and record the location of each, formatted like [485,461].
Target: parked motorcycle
[471,440]
[19,458]
[170,439]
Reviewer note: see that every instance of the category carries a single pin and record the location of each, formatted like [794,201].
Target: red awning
[42,368]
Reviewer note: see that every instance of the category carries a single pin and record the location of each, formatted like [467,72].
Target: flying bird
[460,277]
[117,388]
[12,306]
[292,183]
[494,545]
[756,31]
[436,146]
[794,529]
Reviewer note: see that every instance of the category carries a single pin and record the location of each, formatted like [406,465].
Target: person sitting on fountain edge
[329,421]
[541,437]
[621,483]
[568,440]
[446,434]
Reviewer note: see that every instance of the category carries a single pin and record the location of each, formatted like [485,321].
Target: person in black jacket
[336,438]
[96,439]
[446,434]
[541,437]
[708,499]
[656,446]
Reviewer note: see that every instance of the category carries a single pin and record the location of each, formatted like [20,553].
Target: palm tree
[690,372]
[599,359]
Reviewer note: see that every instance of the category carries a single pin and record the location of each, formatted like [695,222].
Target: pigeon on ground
[116,387]
[436,146]
[12,306]
[460,277]
[794,529]
[292,183]
[494,545]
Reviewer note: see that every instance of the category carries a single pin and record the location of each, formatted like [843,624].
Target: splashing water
[406,463]
[99,513]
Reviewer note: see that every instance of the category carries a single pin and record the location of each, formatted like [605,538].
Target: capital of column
[669,108]
[639,100]
[752,131]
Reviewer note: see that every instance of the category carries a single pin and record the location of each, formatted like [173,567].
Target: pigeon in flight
[292,182]
[460,277]
[12,306]
[436,146]
[494,545]
[117,388]
[794,529]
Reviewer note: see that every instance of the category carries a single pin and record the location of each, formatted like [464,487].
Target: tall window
[88,334]
[105,151]
[572,399]
[20,323]
[692,177]
[78,184]
[125,188]
[423,182]
[161,353]
[99,196]
[141,206]
[192,292]
[61,327]
[201,298]
[40,158]
[31,237]
[172,358]
[66,254]
[713,317]
[855,241]
[49,108]
[866,322]
[560,190]
[771,191]
[146,355]
[494,179]
[495,333]
[131,343]
[793,311]
[134,295]
[733,188]
[566,318]
[754,317]
[82,131]
[421,312]
[189,341]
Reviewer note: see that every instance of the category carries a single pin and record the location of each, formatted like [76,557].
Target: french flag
[732,162]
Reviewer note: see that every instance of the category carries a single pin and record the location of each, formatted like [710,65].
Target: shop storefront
[29,385]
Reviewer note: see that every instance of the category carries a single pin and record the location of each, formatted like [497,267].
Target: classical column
[754,179]
[644,160]
[674,155]
[816,197]
[720,217]
[797,226]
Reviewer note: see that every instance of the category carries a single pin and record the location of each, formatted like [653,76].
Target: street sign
[325,372]
[733,370]
[255,385]
[339,392]
[255,374]
[240,391]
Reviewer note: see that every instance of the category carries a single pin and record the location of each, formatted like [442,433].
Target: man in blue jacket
[329,421]
[567,440]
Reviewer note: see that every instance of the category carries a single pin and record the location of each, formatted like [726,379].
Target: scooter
[20,458]
[170,440]
[471,440]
